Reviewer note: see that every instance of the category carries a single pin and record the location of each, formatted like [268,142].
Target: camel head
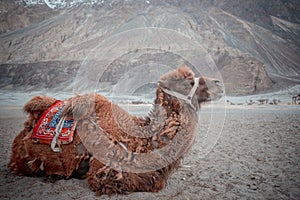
[182,84]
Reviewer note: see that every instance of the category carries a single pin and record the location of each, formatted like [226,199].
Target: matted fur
[169,118]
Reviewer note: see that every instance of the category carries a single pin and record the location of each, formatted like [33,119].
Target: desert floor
[257,156]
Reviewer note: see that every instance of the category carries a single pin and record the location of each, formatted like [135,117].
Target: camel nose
[217,87]
[217,82]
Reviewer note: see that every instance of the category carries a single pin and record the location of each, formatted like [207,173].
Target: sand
[256,157]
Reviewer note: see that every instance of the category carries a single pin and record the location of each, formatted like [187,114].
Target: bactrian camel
[117,152]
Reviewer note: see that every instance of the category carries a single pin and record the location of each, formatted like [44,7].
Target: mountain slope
[252,54]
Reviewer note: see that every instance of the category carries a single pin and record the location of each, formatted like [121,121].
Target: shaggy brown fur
[108,141]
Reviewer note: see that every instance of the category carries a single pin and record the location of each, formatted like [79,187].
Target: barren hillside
[253,44]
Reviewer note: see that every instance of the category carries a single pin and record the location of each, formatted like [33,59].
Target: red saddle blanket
[44,130]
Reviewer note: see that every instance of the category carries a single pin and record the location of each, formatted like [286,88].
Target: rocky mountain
[253,44]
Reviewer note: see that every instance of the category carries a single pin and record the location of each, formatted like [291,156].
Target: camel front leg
[105,180]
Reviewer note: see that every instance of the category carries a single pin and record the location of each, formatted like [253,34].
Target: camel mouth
[215,89]
[216,95]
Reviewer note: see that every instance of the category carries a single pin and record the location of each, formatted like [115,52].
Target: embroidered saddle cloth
[51,129]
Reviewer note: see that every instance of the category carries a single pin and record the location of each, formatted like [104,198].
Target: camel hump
[84,105]
[38,104]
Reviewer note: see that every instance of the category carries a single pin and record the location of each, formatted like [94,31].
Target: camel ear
[202,80]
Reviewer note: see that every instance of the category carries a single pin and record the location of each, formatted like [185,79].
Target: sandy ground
[256,157]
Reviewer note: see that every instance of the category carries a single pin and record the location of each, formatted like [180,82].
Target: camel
[118,153]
